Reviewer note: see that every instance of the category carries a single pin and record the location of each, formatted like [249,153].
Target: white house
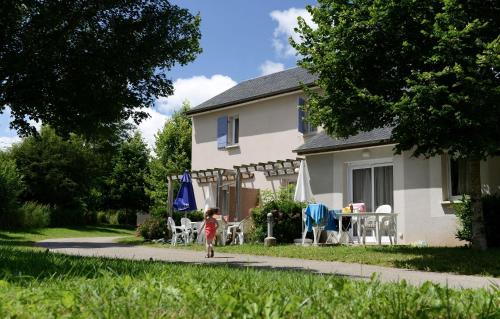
[252,134]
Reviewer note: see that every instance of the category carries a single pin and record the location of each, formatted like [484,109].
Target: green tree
[427,68]
[173,154]
[104,150]
[11,187]
[83,66]
[127,178]
[56,172]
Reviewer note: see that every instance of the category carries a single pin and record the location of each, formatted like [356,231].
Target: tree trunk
[478,228]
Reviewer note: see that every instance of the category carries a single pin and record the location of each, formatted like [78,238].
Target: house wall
[267,132]
[424,212]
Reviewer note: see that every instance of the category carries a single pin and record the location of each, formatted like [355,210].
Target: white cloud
[196,90]
[287,21]
[7,141]
[269,67]
[150,126]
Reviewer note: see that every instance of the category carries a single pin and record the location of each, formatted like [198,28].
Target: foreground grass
[29,237]
[458,260]
[36,284]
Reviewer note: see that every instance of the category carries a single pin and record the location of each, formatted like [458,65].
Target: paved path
[106,247]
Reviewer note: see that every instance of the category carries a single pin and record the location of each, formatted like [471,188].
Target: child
[210,230]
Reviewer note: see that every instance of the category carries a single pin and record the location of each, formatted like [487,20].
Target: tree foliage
[11,187]
[428,68]
[57,172]
[173,154]
[77,178]
[127,178]
[85,66]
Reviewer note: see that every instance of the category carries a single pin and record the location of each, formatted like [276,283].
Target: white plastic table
[362,216]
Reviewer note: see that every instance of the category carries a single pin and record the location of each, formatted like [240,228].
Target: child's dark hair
[211,211]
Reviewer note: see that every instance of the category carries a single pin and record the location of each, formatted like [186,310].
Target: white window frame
[372,163]
[231,128]
[234,118]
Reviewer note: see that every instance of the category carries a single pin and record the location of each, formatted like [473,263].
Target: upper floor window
[458,178]
[228,131]
[233,130]
[304,126]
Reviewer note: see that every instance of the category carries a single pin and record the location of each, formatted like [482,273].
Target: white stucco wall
[267,132]
[424,212]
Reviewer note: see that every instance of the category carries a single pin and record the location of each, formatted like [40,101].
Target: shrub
[108,217]
[113,217]
[71,215]
[34,215]
[102,217]
[463,211]
[286,212]
[11,186]
[116,217]
[152,228]
[491,213]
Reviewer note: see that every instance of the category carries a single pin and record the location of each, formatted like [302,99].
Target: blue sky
[240,40]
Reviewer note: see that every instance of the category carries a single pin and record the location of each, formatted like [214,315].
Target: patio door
[372,184]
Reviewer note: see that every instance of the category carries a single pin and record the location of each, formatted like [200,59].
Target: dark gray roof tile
[322,142]
[264,86]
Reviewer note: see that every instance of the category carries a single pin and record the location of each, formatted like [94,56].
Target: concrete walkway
[106,247]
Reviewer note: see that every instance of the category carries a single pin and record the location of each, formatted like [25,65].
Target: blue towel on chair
[315,213]
[332,222]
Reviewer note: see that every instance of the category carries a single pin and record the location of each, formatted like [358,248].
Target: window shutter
[222,132]
[300,116]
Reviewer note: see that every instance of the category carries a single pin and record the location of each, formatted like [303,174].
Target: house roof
[322,142]
[265,86]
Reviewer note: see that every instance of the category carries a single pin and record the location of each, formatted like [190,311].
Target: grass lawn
[440,259]
[29,237]
[35,284]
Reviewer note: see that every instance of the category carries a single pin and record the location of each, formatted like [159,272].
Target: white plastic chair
[238,231]
[388,228]
[317,229]
[370,222]
[188,228]
[177,231]
[200,237]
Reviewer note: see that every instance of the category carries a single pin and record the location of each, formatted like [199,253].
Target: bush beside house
[286,212]
[491,210]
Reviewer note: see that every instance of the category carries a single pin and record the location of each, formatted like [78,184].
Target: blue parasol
[185,200]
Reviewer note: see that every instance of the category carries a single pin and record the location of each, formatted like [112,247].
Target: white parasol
[303,192]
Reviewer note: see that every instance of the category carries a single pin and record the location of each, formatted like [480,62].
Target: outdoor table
[361,217]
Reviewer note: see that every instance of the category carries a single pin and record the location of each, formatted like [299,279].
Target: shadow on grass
[18,243]
[78,245]
[461,260]
[23,265]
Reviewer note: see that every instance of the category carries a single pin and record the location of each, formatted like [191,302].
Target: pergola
[237,175]
[273,168]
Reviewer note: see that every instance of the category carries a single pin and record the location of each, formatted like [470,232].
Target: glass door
[362,187]
[372,184]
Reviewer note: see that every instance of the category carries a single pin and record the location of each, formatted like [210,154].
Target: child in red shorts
[210,230]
